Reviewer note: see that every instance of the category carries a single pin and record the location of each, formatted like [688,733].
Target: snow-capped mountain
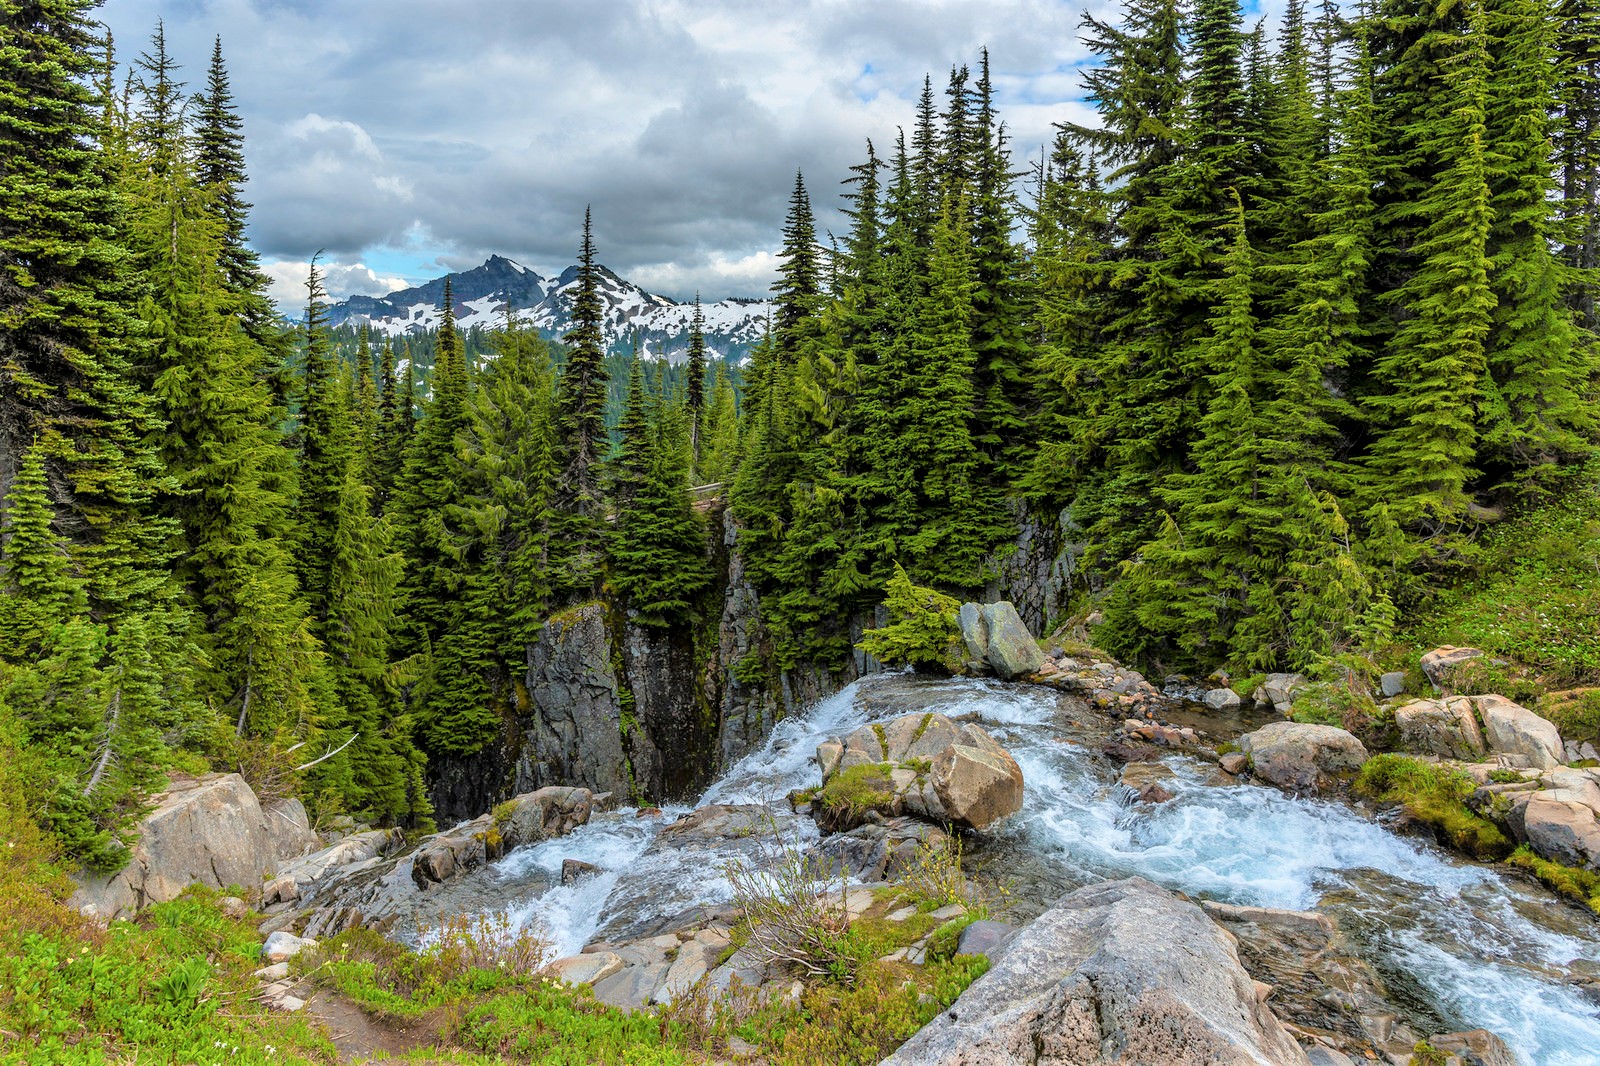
[481,294]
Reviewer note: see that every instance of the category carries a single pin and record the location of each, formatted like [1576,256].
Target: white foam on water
[1472,941]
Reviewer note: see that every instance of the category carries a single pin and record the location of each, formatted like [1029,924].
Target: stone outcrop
[1447,728]
[936,769]
[211,831]
[1120,972]
[1301,756]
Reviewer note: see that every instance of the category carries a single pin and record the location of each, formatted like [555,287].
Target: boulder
[716,822]
[311,873]
[281,947]
[1119,972]
[549,812]
[1476,1047]
[1012,651]
[1221,699]
[1301,756]
[1441,663]
[575,870]
[974,631]
[1447,728]
[289,829]
[1515,730]
[586,969]
[977,781]
[209,831]
[1560,827]
[937,769]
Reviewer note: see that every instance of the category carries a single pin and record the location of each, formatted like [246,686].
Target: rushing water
[1460,945]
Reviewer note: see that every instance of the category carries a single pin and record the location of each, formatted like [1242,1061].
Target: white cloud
[288,278]
[490,125]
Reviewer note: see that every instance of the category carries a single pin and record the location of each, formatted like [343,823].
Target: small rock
[292,1004]
[281,946]
[233,907]
[985,937]
[281,890]
[276,972]
[903,914]
[1235,762]
[586,969]
[1476,1047]
[1392,683]
[1222,699]
[574,870]
[1443,661]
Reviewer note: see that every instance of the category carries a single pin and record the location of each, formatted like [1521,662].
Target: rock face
[210,831]
[1447,728]
[1300,756]
[936,769]
[1515,730]
[1121,972]
[1563,827]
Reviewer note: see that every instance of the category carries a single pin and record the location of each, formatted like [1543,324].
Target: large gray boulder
[209,830]
[1514,730]
[1302,756]
[935,769]
[1447,728]
[1120,972]
[1012,651]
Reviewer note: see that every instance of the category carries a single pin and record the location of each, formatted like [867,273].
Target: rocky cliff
[656,714]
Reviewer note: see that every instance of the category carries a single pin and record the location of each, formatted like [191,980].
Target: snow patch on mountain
[482,293]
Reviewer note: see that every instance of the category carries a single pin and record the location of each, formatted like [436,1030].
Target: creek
[1460,945]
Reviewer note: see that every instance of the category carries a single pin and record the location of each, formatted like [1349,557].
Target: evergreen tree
[719,446]
[1430,376]
[695,372]
[796,292]
[577,549]
[658,544]
[326,449]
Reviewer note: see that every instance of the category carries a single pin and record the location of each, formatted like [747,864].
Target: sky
[407,138]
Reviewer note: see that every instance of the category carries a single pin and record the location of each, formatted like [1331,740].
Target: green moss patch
[1434,796]
[1580,885]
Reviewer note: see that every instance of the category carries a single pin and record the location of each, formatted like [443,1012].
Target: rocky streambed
[1394,940]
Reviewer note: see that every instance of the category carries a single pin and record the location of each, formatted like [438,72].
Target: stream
[1459,945]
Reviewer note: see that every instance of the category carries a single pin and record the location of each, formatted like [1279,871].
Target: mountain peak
[481,294]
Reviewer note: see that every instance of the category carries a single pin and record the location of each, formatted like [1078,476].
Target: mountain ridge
[660,324]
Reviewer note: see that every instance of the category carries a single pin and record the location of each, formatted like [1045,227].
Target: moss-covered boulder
[921,764]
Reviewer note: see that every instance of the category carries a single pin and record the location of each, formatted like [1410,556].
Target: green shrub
[1434,796]
[922,630]
[1576,714]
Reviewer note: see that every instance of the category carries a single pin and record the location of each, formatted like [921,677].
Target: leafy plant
[1434,796]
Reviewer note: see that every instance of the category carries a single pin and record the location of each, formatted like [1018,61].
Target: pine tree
[695,373]
[796,293]
[577,548]
[658,544]
[1536,412]
[1431,375]
[326,448]
[719,446]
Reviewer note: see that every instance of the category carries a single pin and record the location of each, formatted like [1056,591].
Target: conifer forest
[1308,307]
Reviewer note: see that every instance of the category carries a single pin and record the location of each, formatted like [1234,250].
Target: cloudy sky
[405,138]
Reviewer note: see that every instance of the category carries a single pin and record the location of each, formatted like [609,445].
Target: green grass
[1581,885]
[1533,592]
[1434,796]
[173,986]
[852,792]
